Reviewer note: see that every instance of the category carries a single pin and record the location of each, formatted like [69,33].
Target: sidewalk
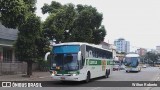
[37,76]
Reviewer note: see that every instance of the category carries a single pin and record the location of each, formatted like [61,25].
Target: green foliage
[20,14]
[12,12]
[42,44]
[29,32]
[51,8]
[15,12]
[67,23]
[56,24]
[152,57]
[31,45]
[30,4]
[43,65]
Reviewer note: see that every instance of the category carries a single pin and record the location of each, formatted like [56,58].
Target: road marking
[96,88]
[156,79]
[44,77]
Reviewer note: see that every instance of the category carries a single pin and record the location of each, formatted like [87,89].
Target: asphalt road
[147,74]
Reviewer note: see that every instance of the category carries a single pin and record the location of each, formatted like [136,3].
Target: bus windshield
[65,58]
[65,62]
[131,61]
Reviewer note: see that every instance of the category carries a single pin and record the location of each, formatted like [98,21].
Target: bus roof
[69,43]
[132,55]
[81,43]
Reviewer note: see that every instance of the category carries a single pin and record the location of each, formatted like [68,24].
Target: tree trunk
[29,68]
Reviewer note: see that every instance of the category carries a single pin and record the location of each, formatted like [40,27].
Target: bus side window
[90,54]
[93,53]
[82,62]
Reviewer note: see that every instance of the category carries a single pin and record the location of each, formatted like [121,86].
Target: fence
[13,67]
[18,67]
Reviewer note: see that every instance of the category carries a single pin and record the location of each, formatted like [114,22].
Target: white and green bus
[75,61]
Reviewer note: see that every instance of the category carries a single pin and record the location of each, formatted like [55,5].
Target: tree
[25,47]
[14,12]
[67,23]
[152,57]
[31,44]
[142,58]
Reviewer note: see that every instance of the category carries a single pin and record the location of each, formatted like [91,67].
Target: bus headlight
[54,73]
[74,74]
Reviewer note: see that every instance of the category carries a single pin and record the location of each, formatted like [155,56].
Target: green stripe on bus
[98,62]
[67,72]
[110,63]
[94,62]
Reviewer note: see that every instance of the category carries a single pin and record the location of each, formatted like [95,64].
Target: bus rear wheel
[107,73]
[88,77]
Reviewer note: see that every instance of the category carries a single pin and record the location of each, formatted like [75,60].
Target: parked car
[116,67]
[144,66]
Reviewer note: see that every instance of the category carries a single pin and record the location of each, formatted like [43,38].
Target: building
[8,62]
[113,47]
[141,51]
[105,45]
[7,39]
[127,48]
[122,45]
[158,49]
[120,56]
[110,47]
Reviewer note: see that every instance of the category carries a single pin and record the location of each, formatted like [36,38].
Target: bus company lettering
[93,62]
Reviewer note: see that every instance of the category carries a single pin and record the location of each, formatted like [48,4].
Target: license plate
[62,78]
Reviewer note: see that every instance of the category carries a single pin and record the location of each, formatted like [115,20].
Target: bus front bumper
[132,69]
[66,78]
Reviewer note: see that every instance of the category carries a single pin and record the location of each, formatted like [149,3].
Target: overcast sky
[137,21]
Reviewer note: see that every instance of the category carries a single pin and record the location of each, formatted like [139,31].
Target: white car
[122,67]
[144,66]
[116,67]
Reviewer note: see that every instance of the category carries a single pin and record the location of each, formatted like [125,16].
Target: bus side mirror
[79,55]
[46,56]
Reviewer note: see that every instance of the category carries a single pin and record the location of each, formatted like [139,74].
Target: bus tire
[88,77]
[107,73]
[127,71]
